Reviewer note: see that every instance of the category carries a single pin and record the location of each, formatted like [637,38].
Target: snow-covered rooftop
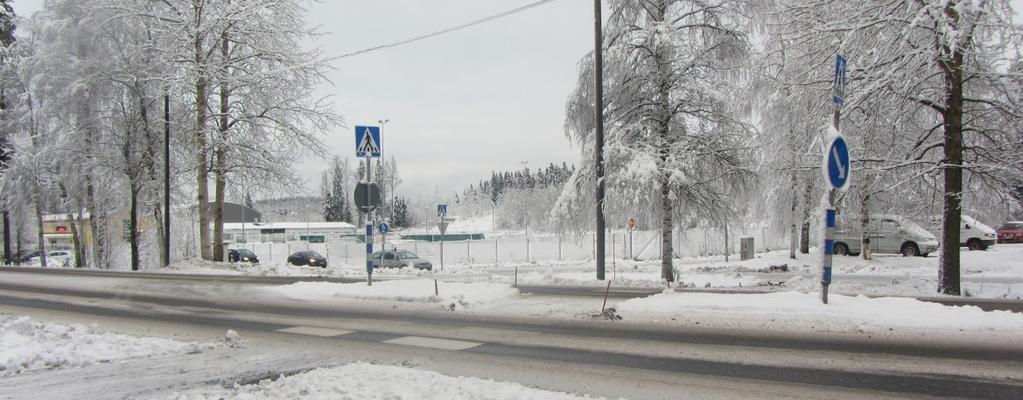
[290,225]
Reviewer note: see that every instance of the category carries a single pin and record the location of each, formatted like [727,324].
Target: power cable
[441,32]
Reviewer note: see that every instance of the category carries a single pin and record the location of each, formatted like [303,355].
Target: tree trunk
[201,173]
[97,213]
[73,220]
[804,239]
[667,270]
[80,252]
[220,160]
[149,160]
[17,239]
[952,119]
[39,226]
[133,227]
[865,224]
[793,236]
[98,226]
[7,235]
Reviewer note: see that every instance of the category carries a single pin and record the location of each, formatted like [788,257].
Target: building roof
[289,225]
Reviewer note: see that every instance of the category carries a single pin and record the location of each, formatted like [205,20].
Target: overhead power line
[441,32]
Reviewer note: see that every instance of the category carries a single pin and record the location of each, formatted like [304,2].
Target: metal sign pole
[829,233]
[369,226]
[836,173]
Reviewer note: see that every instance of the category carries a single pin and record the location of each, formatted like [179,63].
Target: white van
[973,234]
[888,234]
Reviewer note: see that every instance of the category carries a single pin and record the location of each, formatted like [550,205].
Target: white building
[282,232]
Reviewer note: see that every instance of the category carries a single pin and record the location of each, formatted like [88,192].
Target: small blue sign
[837,167]
[838,84]
[383,228]
[442,210]
[367,141]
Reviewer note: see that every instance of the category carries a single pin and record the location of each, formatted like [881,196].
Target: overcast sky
[460,105]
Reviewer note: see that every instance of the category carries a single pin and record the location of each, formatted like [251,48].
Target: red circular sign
[632,224]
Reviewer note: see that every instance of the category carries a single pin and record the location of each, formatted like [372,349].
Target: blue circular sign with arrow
[837,166]
[383,228]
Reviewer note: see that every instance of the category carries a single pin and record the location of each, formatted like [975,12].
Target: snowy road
[597,357]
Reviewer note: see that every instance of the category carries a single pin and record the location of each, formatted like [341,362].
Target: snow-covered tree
[675,134]
[944,69]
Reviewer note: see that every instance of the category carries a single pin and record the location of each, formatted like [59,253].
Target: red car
[1011,232]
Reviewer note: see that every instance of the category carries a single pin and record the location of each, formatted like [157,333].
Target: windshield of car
[1013,225]
[246,253]
[407,255]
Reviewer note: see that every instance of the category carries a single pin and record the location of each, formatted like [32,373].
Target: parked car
[399,259]
[242,255]
[888,234]
[26,255]
[973,234]
[1011,232]
[308,257]
[56,258]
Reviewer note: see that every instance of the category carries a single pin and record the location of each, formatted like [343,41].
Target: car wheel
[840,249]
[910,250]
[974,244]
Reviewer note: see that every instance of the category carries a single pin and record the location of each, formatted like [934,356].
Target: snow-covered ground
[34,347]
[387,383]
[995,273]
[794,311]
[27,346]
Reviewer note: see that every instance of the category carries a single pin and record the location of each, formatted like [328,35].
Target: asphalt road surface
[591,355]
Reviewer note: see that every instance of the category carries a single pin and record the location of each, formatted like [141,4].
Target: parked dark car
[309,258]
[1011,232]
[24,255]
[399,259]
[242,255]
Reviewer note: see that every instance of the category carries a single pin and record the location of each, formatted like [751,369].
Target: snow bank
[27,345]
[804,311]
[452,295]
[368,382]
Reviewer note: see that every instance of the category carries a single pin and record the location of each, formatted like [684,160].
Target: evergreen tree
[400,218]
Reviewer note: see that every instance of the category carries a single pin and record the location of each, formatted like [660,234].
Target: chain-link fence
[535,248]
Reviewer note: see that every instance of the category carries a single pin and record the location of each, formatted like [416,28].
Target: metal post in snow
[829,232]
[369,224]
[527,246]
[497,257]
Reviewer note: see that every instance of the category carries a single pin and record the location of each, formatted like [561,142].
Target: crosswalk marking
[314,331]
[433,343]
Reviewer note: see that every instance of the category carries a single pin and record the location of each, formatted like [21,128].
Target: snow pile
[368,382]
[27,345]
[784,311]
[644,278]
[200,266]
[452,295]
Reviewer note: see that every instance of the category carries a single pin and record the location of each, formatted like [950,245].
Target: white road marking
[433,343]
[314,331]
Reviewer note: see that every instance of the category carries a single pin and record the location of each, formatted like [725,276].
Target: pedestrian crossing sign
[367,141]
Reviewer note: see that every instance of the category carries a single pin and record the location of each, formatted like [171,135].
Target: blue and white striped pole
[369,251]
[829,244]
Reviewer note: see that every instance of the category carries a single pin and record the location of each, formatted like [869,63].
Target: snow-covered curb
[368,381]
[27,345]
[795,311]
